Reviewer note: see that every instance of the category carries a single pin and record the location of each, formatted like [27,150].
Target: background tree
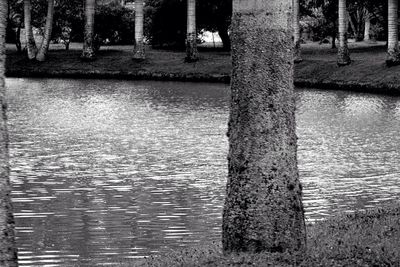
[8,250]
[296,30]
[30,40]
[191,32]
[343,51]
[138,52]
[393,53]
[88,52]
[263,208]
[41,56]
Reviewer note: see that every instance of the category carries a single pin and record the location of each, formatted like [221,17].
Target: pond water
[105,171]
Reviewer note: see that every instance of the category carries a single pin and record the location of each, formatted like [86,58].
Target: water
[105,171]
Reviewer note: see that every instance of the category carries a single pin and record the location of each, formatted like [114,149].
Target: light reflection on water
[106,170]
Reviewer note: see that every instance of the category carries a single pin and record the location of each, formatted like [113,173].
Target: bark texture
[30,40]
[139,52]
[8,250]
[44,48]
[191,44]
[296,31]
[88,42]
[343,50]
[393,54]
[263,208]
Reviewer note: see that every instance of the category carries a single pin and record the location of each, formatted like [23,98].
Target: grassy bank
[369,238]
[367,72]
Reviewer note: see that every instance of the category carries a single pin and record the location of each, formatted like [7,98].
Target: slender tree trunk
[18,39]
[30,40]
[334,36]
[223,34]
[263,208]
[191,34]
[367,27]
[88,45]
[296,31]
[8,250]
[41,56]
[343,51]
[393,54]
[139,52]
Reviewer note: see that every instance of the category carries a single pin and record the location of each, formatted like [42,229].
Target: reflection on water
[107,170]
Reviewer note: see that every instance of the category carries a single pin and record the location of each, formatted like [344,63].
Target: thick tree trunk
[263,208]
[296,31]
[343,51]
[139,52]
[30,40]
[41,56]
[191,34]
[393,54]
[88,45]
[367,27]
[8,250]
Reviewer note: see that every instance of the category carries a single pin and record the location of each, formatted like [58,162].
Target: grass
[369,238]
[368,71]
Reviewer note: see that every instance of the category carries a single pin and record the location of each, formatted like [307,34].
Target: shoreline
[351,86]
[367,73]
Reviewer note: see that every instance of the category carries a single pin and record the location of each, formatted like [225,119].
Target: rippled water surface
[108,170]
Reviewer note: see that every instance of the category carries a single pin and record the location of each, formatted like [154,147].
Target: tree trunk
[191,35]
[393,55]
[41,56]
[367,27]
[263,208]
[139,52]
[296,31]
[30,40]
[18,39]
[343,51]
[8,249]
[226,40]
[88,45]
[334,36]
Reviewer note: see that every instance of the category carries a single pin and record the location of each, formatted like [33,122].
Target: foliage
[165,21]
[114,24]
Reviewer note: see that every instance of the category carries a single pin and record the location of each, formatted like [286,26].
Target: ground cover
[368,71]
[369,238]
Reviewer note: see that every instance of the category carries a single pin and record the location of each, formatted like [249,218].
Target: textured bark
[88,52]
[393,54]
[296,31]
[8,250]
[191,44]
[44,48]
[139,52]
[263,208]
[343,51]
[30,40]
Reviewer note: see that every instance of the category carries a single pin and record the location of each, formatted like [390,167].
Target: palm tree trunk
[263,208]
[8,250]
[191,36]
[139,52]
[393,55]
[88,45]
[296,31]
[343,51]
[41,56]
[367,27]
[30,40]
